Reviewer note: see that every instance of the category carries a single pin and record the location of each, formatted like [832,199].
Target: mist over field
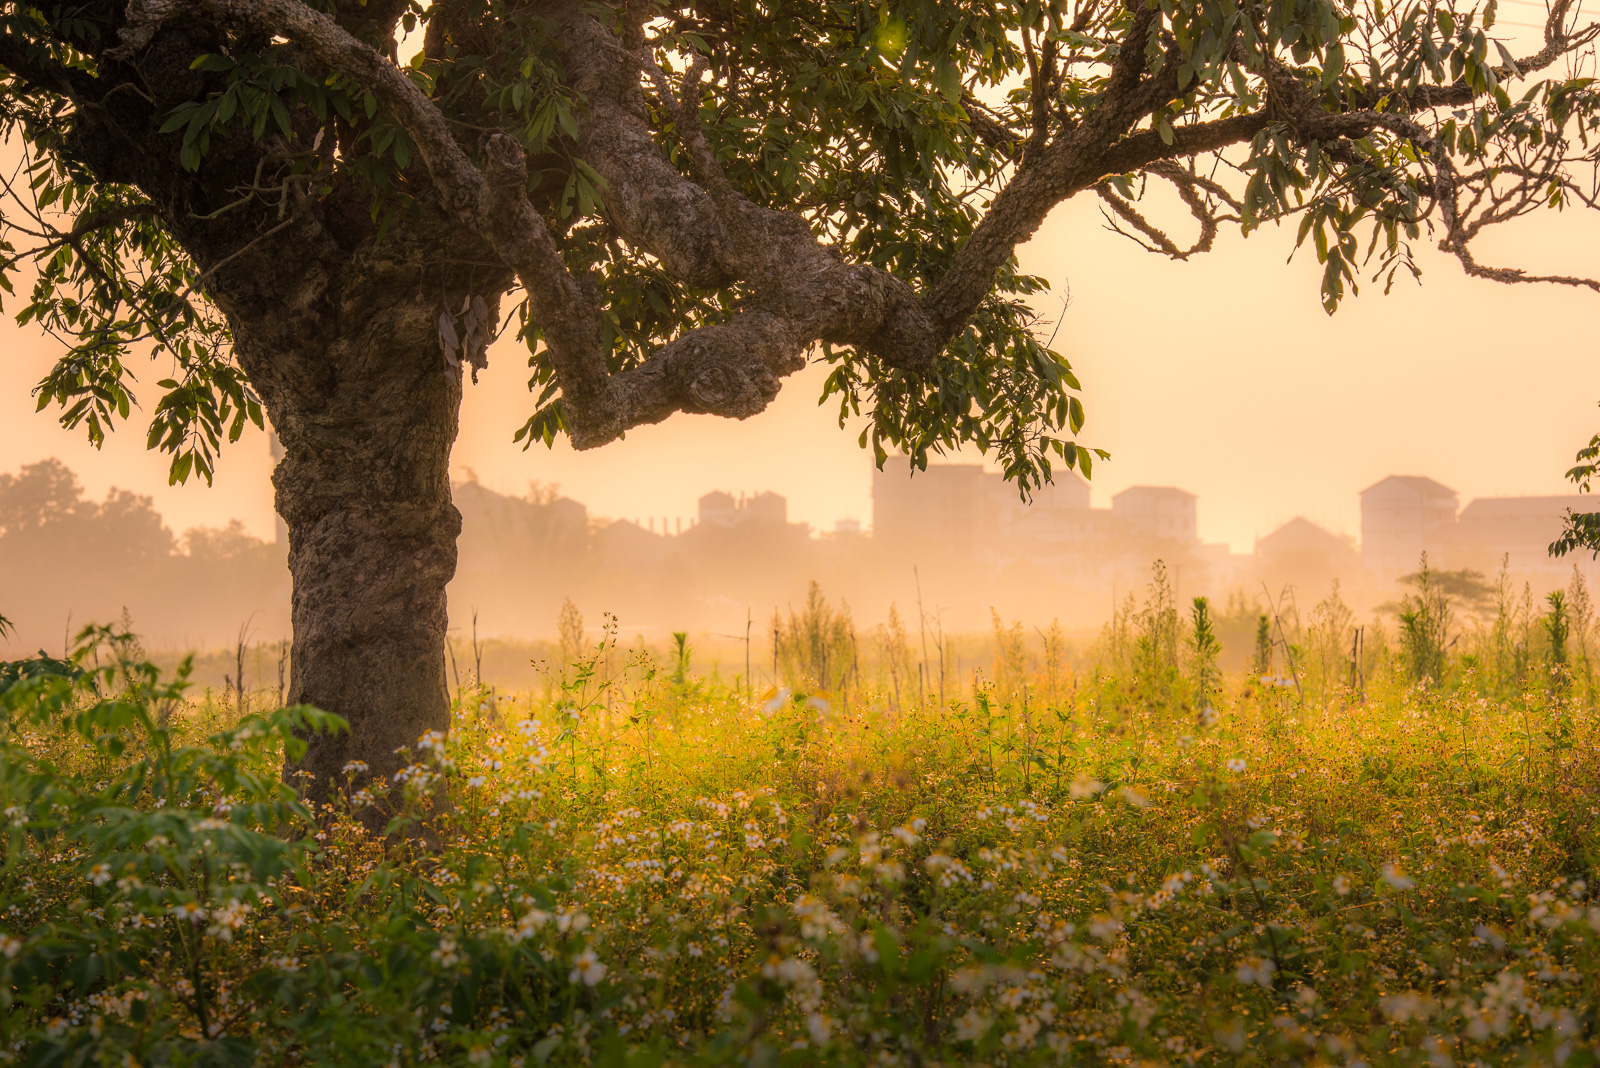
[950,554]
[1292,425]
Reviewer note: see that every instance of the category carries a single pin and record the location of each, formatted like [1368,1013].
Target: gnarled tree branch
[796,291]
[804,292]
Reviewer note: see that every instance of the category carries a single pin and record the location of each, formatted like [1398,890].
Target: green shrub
[1203,650]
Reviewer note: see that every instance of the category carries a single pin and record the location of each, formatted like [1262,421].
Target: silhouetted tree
[58,547]
[61,554]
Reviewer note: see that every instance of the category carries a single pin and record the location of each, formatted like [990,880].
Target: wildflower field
[1119,857]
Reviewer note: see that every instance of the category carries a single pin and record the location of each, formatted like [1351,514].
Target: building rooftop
[1520,507]
[1421,484]
[1300,532]
[1171,491]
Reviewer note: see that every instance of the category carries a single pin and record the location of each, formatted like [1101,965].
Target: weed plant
[637,866]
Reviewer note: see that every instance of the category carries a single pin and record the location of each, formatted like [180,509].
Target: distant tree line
[66,560]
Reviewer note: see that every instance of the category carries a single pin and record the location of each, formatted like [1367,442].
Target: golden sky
[1221,375]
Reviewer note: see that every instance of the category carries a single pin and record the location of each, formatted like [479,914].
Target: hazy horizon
[1222,376]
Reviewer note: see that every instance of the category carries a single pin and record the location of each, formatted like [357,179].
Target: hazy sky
[1221,375]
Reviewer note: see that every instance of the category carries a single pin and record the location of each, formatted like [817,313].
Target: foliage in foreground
[1581,530]
[647,869]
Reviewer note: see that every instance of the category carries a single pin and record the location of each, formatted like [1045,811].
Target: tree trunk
[367,412]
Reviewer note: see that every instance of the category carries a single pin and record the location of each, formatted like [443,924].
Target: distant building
[1302,554]
[630,547]
[569,515]
[1057,512]
[1067,493]
[766,508]
[972,514]
[533,522]
[1300,536]
[949,508]
[1163,512]
[719,509]
[1491,528]
[1066,528]
[847,526]
[1401,517]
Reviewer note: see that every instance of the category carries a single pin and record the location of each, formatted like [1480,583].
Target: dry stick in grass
[746,639]
[922,626]
[238,663]
[238,673]
[450,647]
[283,659]
[1358,678]
[477,654]
[1283,639]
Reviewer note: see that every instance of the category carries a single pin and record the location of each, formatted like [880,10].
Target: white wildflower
[1397,878]
[1084,786]
[971,1026]
[189,911]
[1406,1006]
[1133,797]
[587,969]
[1257,970]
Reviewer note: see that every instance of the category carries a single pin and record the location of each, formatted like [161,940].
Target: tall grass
[1108,856]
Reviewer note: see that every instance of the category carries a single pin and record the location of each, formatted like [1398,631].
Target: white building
[950,508]
[1163,512]
[968,510]
[719,509]
[1401,517]
[1517,529]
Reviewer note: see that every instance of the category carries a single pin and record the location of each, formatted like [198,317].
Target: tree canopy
[689,198]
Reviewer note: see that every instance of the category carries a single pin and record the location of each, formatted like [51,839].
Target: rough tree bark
[364,488]
[347,360]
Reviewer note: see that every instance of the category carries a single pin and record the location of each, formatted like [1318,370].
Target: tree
[46,524]
[1425,620]
[1465,587]
[61,550]
[683,201]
